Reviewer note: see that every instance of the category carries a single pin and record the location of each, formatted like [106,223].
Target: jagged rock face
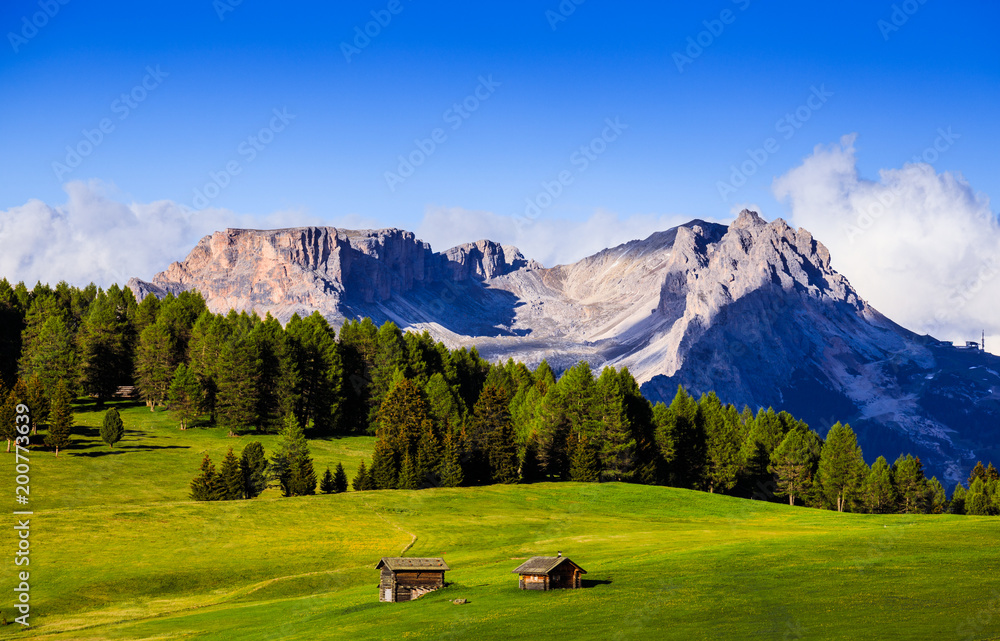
[753,311]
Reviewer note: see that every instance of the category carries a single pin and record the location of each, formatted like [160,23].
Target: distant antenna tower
[982,345]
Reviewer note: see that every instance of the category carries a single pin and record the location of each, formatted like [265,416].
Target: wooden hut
[549,573]
[405,579]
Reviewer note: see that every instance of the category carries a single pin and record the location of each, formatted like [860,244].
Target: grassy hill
[118,552]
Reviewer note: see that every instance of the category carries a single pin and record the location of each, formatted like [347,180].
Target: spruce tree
[618,445]
[230,478]
[302,476]
[794,463]
[722,455]
[238,380]
[339,479]
[429,458]
[155,363]
[112,428]
[184,395]
[503,453]
[360,482]
[530,469]
[60,419]
[685,429]
[384,473]
[206,486]
[878,490]
[451,464]
[841,466]
[911,485]
[253,470]
[585,466]
[937,497]
[491,441]
[957,503]
[408,475]
[326,483]
[38,402]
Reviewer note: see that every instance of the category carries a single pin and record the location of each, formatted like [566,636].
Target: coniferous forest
[441,417]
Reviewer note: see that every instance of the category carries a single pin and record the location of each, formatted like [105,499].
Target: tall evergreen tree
[112,427]
[238,379]
[320,371]
[722,447]
[60,419]
[490,442]
[911,485]
[49,349]
[339,479]
[384,473]
[429,458]
[326,482]
[878,490]
[230,478]
[8,414]
[390,355]
[155,364]
[184,395]
[361,481]
[957,503]
[408,475]
[530,468]
[206,486]
[841,466]
[106,342]
[585,466]
[794,463]
[253,469]
[291,466]
[38,402]
[977,501]
[451,464]
[937,497]
[618,457]
[683,428]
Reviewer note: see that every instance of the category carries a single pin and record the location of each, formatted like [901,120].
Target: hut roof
[544,565]
[396,563]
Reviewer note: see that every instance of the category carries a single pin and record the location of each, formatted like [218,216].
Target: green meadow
[119,552]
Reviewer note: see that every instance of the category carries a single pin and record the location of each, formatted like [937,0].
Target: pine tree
[937,501]
[253,470]
[911,485]
[451,465]
[60,419]
[429,458]
[8,414]
[326,483]
[722,455]
[238,379]
[530,469]
[38,402]
[841,466]
[360,482]
[977,501]
[206,486]
[301,477]
[230,478]
[794,463]
[878,490]
[618,444]
[585,466]
[957,503]
[185,395]
[384,473]
[112,428]
[339,479]
[155,363]
[408,475]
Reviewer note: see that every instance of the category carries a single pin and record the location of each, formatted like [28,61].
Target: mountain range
[753,311]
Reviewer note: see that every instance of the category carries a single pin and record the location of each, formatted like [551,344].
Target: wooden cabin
[549,573]
[406,579]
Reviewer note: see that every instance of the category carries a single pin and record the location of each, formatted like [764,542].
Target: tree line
[442,417]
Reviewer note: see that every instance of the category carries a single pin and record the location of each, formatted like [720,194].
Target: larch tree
[60,419]
[878,490]
[841,466]
[794,463]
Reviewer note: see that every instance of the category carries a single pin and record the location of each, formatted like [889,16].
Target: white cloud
[95,238]
[547,240]
[922,247]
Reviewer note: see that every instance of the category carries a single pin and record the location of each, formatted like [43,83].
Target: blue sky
[129,130]
[556,86]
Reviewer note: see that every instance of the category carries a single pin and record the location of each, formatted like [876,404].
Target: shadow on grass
[593,583]
[125,449]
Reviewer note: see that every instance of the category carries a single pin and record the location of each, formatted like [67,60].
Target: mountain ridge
[753,311]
